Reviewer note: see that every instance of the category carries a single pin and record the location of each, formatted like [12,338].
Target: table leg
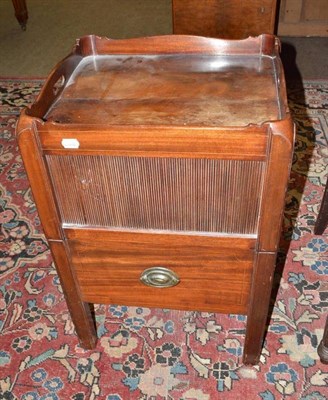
[322,220]
[259,306]
[323,346]
[21,12]
[79,310]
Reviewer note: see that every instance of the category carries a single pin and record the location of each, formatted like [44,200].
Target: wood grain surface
[213,276]
[170,194]
[228,19]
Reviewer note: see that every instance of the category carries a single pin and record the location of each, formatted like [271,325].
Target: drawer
[214,273]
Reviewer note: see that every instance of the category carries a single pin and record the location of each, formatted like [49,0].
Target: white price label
[70,143]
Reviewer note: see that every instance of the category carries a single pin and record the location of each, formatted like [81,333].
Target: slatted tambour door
[201,195]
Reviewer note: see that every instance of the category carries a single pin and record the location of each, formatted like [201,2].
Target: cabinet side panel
[39,181]
[275,185]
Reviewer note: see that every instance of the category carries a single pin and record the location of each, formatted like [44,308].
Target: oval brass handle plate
[159,277]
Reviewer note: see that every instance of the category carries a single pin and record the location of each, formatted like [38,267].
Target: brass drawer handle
[159,277]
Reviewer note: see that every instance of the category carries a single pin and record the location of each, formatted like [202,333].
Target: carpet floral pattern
[158,353]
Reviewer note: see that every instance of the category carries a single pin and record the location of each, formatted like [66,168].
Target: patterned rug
[162,354]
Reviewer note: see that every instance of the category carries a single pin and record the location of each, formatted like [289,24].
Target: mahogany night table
[159,167]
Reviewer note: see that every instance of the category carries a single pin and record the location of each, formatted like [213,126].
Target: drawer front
[214,273]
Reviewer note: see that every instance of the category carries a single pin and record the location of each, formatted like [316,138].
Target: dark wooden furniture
[159,168]
[229,19]
[319,228]
[322,220]
[323,346]
[21,12]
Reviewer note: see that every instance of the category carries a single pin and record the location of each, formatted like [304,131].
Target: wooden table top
[170,89]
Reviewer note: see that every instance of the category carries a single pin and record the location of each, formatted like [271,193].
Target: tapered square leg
[21,12]
[79,310]
[259,306]
[322,220]
[323,346]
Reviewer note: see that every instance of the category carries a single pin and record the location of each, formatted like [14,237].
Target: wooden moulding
[263,46]
[244,144]
[280,149]
[179,44]
[36,169]
[54,85]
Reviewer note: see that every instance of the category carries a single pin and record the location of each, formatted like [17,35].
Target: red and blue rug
[155,354]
